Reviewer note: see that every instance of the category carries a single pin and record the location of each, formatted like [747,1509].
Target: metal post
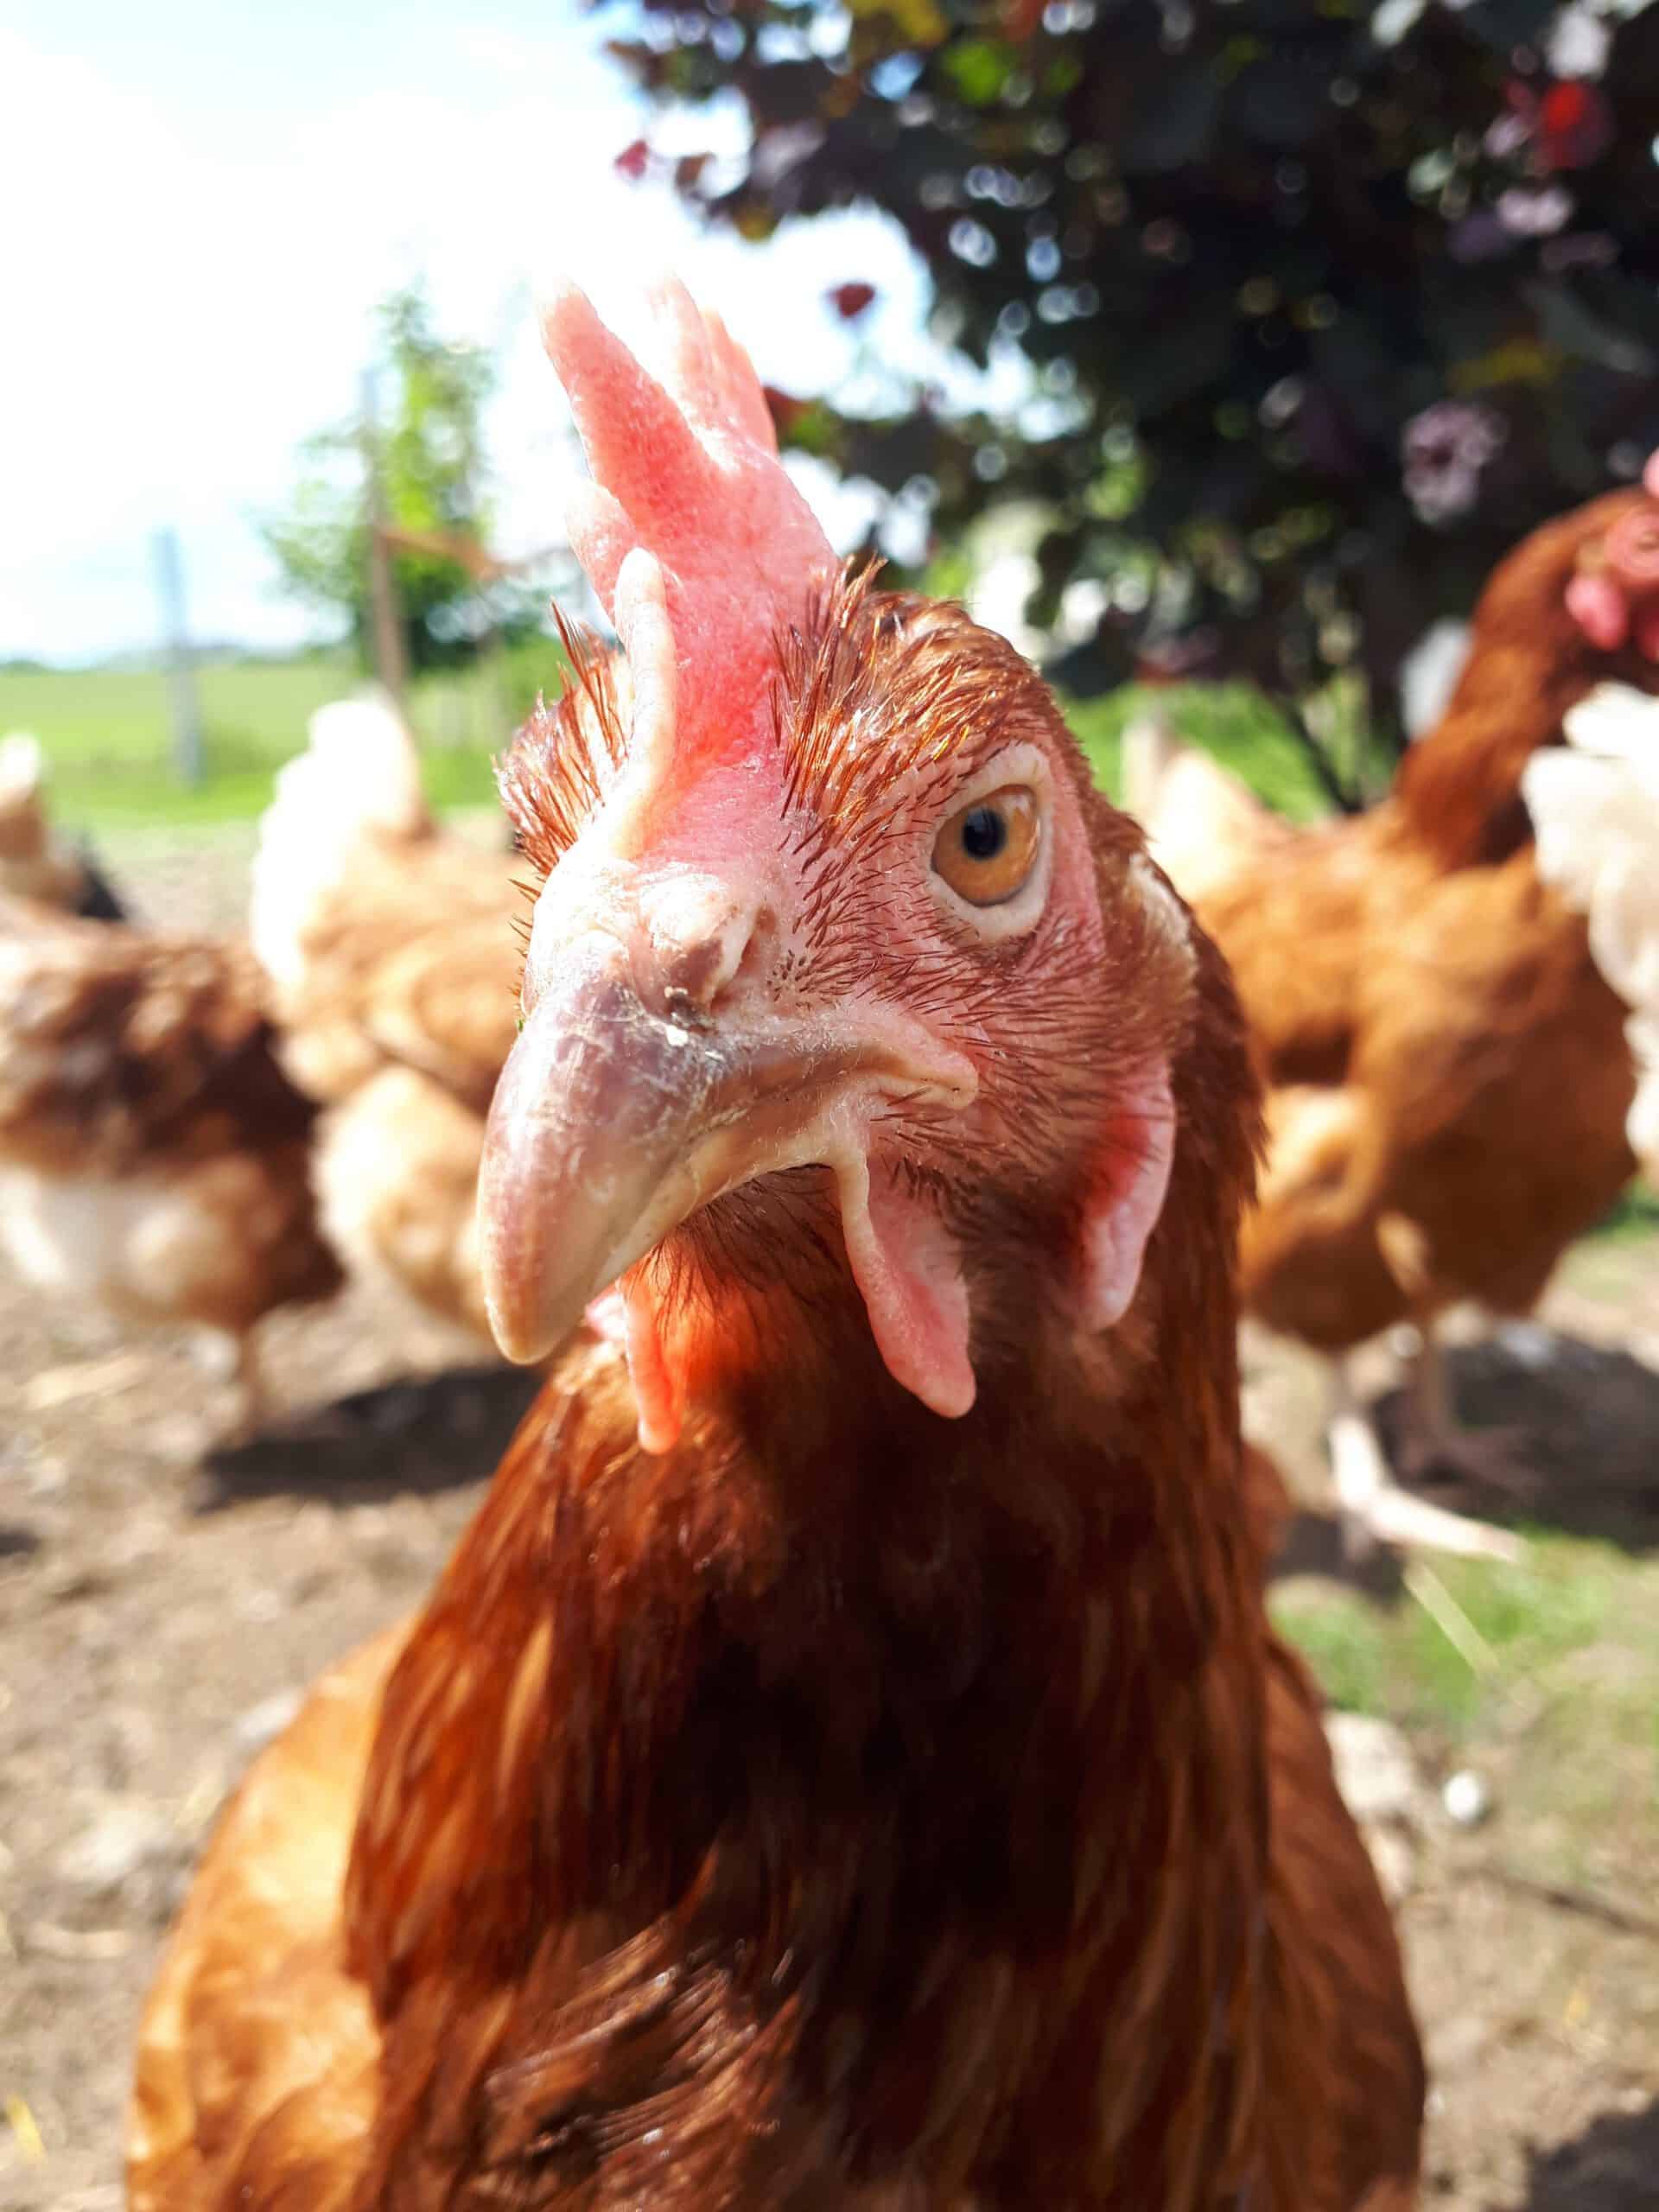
[181,674]
[385,627]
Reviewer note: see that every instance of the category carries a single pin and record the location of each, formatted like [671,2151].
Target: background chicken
[152,1154]
[389,945]
[33,863]
[1448,1078]
[846,1762]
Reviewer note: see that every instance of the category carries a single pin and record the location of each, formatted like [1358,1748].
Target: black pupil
[984,833]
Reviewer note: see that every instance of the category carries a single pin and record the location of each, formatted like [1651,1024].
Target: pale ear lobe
[1136,1152]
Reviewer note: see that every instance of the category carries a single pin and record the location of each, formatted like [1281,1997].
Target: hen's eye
[986,852]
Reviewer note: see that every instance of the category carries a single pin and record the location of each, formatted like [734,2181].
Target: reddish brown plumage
[1447,1077]
[848,1807]
[1459,789]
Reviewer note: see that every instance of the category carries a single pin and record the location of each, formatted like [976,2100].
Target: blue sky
[202,205]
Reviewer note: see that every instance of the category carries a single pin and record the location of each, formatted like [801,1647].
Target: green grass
[108,734]
[1572,1636]
[1634,1216]
[1231,721]
[1560,1716]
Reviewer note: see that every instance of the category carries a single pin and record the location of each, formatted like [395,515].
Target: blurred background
[1212,342]
[1214,353]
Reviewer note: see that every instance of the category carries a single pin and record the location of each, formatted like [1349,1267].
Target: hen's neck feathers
[787,1800]
[1459,788]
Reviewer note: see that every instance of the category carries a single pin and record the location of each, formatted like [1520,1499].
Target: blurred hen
[1447,1075]
[154,1157]
[34,862]
[393,962]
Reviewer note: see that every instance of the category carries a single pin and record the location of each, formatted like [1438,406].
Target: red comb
[686,481]
[1614,598]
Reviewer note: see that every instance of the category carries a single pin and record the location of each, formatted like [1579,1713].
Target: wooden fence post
[176,644]
[385,625]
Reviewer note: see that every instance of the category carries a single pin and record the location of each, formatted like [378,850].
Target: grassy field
[108,734]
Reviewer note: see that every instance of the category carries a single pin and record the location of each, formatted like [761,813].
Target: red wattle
[909,1273]
[1597,605]
[656,1389]
[1630,552]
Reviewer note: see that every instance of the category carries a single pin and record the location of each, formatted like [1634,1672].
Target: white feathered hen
[389,942]
[1594,804]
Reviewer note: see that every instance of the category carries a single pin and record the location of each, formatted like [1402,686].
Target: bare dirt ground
[162,1606]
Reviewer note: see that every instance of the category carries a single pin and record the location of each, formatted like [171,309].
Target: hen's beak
[649,1078]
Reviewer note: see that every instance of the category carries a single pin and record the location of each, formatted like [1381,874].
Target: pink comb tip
[686,470]
[1650,476]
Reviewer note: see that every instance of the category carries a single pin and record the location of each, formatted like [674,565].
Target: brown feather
[145,1068]
[399,1010]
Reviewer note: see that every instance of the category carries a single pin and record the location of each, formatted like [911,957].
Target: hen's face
[832,910]
[881,945]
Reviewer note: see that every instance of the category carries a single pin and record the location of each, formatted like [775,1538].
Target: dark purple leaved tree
[1329,301]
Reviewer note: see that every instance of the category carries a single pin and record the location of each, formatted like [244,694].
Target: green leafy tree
[431,397]
[1325,301]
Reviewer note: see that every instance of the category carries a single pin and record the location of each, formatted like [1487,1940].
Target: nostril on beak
[703,939]
[758,952]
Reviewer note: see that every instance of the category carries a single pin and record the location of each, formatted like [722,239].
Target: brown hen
[394,968]
[34,864]
[153,1155]
[847,1762]
[1447,1078]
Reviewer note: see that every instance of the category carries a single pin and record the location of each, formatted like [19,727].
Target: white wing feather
[359,775]
[1594,805]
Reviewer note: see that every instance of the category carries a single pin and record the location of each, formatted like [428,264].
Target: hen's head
[1613,595]
[842,974]
[1575,604]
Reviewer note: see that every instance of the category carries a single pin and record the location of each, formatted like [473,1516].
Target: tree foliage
[430,396]
[1323,304]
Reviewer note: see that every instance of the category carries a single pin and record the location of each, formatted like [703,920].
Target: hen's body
[847,1809]
[1448,1082]
[390,947]
[1447,1078]
[706,1923]
[153,1155]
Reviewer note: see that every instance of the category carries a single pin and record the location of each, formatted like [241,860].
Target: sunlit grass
[1570,1634]
[108,732]
[1633,1218]
[1231,721]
